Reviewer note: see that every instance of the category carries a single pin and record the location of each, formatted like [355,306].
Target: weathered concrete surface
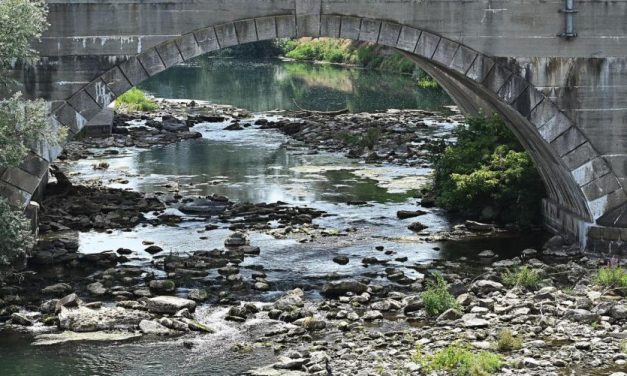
[564,99]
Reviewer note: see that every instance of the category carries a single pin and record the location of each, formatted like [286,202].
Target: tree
[22,122]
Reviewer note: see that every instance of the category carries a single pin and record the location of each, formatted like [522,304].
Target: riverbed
[257,165]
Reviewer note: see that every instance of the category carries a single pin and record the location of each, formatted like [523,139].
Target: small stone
[486,254]
[342,260]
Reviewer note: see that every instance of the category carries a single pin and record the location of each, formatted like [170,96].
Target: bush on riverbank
[612,277]
[457,359]
[523,277]
[487,175]
[135,100]
[349,52]
[17,238]
[436,298]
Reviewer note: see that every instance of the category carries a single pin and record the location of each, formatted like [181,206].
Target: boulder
[417,227]
[169,304]
[58,289]
[162,285]
[67,301]
[404,214]
[20,319]
[342,260]
[153,328]
[96,289]
[485,286]
[478,226]
[338,288]
[83,319]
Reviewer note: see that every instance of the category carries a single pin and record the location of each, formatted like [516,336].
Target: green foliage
[437,298]
[368,140]
[23,122]
[135,100]
[328,50]
[457,359]
[21,21]
[623,346]
[612,277]
[524,277]
[487,168]
[506,341]
[17,238]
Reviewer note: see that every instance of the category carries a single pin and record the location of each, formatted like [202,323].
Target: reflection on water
[263,85]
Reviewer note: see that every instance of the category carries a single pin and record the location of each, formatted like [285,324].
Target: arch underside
[579,182]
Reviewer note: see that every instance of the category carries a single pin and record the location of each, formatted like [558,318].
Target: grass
[611,277]
[135,100]
[506,341]
[437,298]
[523,277]
[457,359]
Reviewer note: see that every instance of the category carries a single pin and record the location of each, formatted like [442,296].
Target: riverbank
[356,303]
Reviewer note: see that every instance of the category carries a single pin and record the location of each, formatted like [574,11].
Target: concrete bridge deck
[563,91]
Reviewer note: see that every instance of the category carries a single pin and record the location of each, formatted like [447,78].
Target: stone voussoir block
[463,59]
[590,171]
[600,187]
[134,71]
[408,39]
[188,46]
[246,31]
[266,28]
[481,66]
[169,53]
[207,39]
[330,26]
[568,141]
[350,27]
[369,31]
[445,51]
[227,35]
[285,26]
[100,92]
[151,61]
[116,81]
[427,45]
[389,34]
[579,156]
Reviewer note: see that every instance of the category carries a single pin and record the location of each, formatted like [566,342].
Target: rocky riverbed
[368,316]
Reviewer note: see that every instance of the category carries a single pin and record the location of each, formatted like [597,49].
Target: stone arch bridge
[556,70]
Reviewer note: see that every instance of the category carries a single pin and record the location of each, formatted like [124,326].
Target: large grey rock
[485,286]
[84,319]
[58,289]
[335,289]
[581,315]
[291,300]
[68,336]
[471,320]
[169,304]
[153,328]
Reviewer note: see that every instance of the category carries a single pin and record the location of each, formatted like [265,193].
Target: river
[255,165]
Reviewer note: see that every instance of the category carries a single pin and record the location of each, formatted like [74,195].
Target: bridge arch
[580,184]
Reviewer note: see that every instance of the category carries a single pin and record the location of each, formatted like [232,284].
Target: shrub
[506,341]
[437,298]
[524,277]
[611,276]
[136,100]
[15,232]
[23,122]
[458,360]
[488,169]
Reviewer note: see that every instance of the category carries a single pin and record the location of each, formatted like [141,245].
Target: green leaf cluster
[487,168]
[436,298]
[524,277]
[612,277]
[136,100]
[17,238]
[457,359]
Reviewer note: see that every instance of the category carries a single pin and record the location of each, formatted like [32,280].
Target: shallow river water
[254,165]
